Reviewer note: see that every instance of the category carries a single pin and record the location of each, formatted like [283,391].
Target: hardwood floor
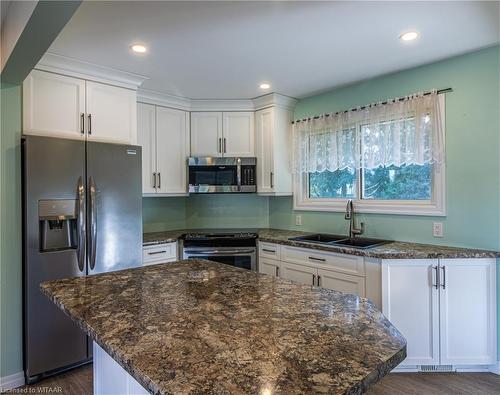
[74,382]
[79,382]
[437,384]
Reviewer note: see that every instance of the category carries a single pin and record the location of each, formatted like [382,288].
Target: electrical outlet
[437,229]
[298,220]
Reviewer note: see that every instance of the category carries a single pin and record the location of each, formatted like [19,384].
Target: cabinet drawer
[342,263]
[269,250]
[159,253]
[341,282]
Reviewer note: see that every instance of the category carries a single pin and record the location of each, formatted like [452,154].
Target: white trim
[187,104]
[495,368]
[76,68]
[435,207]
[163,99]
[12,381]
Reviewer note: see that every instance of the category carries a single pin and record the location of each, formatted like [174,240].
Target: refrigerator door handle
[80,253]
[93,222]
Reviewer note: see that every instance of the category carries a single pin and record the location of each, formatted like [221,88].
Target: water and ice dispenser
[58,222]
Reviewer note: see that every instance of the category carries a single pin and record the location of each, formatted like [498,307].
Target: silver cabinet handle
[271,176]
[444,277]
[157,252]
[93,222]
[314,279]
[319,280]
[80,253]
[159,180]
[225,150]
[154,180]
[435,280]
[317,259]
[82,123]
[270,251]
[90,123]
[277,271]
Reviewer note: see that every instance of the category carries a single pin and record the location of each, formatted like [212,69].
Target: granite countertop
[200,327]
[393,250]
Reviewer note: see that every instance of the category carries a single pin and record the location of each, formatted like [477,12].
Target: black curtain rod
[445,90]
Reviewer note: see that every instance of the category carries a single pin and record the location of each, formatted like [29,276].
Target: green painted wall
[472,152]
[10,231]
[164,213]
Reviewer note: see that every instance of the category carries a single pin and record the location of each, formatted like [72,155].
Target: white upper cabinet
[222,134]
[59,106]
[206,134]
[172,150]
[111,114]
[53,105]
[273,145]
[163,134]
[146,138]
[238,134]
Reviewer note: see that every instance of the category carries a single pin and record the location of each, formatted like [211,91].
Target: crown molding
[184,103]
[163,99]
[274,100]
[89,71]
[221,105]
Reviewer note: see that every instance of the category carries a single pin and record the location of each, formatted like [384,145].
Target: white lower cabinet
[159,253]
[341,282]
[446,309]
[269,266]
[300,273]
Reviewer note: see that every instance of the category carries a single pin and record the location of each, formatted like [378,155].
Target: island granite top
[392,250]
[200,327]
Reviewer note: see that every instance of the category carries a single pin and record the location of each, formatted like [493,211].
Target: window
[388,178]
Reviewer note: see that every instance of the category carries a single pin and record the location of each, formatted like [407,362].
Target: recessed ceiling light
[264,85]
[409,36]
[138,48]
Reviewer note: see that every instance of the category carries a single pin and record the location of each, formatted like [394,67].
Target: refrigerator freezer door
[54,169]
[114,208]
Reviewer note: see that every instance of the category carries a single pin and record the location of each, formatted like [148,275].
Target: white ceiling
[225,49]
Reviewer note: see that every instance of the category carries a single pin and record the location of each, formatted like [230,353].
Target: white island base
[111,379]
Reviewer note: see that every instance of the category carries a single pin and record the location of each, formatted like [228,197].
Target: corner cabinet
[218,134]
[446,309]
[60,106]
[163,134]
[273,145]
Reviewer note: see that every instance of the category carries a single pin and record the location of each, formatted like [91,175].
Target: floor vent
[436,368]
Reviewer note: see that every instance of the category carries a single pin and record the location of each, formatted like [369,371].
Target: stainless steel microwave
[222,175]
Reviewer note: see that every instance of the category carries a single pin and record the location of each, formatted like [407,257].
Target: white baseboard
[495,368]
[12,381]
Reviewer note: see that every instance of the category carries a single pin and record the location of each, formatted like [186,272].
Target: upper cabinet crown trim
[225,105]
[89,71]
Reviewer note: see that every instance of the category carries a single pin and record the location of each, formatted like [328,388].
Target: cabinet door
[146,136]
[299,273]
[172,150]
[206,134]
[238,134]
[269,266]
[264,150]
[111,114]
[468,311]
[53,105]
[410,300]
[341,282]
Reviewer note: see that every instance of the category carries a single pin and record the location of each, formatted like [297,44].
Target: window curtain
[395,133]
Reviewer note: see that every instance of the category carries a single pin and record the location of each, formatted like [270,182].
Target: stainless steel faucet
[349,214]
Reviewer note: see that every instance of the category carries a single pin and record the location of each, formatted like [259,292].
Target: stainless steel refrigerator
[82,215]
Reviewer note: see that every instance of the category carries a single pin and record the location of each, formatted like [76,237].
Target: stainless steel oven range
[235,248]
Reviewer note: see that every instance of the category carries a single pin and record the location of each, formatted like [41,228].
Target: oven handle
[219,252]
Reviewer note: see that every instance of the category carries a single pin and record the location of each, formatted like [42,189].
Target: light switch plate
[437,229]
[298,220]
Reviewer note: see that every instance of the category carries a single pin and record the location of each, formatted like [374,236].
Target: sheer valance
[398,132]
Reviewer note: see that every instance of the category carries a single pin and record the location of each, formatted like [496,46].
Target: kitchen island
[203,327]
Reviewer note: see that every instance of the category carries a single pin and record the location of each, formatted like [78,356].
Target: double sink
[338,240]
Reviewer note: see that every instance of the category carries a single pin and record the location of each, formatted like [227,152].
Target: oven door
[244,257]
